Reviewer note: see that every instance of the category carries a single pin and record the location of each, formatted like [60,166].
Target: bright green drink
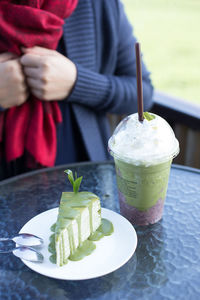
[142,170]
[142,191]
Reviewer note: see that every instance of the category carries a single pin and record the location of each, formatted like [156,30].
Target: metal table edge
[80,164]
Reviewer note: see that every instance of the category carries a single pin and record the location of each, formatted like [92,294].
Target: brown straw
[139,82]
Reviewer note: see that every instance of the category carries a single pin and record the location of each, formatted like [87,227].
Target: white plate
[111,252]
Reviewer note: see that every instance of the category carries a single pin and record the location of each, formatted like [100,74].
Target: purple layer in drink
[138,217]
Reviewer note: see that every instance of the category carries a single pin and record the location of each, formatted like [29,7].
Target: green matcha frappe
[143,153]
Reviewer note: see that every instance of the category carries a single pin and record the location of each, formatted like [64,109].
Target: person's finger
[29,60]
[38,50]
[37,93]
[32,72]
[7,56]
[33,83]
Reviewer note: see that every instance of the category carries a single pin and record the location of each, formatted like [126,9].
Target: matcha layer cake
[79,216]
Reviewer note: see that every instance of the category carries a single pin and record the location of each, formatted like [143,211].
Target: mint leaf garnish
[74,182]
[70,176]
[77,184]
[148,116]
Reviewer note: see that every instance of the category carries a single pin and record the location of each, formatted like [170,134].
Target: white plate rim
[114,217]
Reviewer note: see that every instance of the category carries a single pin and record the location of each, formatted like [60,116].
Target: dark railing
[184,117]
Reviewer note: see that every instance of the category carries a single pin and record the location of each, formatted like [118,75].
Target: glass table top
[164,266]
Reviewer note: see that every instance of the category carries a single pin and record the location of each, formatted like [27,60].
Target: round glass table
[164,266]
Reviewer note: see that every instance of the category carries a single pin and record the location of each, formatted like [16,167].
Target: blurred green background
[169,33]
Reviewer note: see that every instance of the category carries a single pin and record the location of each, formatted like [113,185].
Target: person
[90,74]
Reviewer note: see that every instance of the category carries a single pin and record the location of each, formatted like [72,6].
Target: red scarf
[31,127]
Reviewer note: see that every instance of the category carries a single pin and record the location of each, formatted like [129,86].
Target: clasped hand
[44,73]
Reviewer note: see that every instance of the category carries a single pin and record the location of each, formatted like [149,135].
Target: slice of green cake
[79,216]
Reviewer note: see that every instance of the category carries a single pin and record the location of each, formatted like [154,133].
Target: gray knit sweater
[99,39]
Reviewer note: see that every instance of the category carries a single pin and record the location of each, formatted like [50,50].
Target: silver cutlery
[25,239]
[26,253]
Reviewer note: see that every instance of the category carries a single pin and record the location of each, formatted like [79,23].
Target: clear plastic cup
[142,172]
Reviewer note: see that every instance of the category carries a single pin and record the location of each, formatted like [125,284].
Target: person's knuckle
[9,69]
[45,65]
[44,79]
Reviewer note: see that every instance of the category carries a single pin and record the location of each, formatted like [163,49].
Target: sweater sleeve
[115,93]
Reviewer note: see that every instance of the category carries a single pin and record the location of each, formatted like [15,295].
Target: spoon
[26,253]
[25,239]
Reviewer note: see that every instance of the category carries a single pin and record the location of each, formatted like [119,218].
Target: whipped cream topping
[146,143]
